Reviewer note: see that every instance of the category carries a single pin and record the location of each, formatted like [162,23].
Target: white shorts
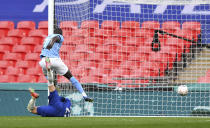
[56,65]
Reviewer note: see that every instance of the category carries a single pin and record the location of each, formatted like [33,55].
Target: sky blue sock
[76,84]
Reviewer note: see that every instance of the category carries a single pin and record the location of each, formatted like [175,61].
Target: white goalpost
[133,56]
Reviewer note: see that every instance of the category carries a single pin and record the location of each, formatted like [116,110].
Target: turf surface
[103,122]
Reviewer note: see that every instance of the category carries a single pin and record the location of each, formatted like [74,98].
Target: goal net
[132,55]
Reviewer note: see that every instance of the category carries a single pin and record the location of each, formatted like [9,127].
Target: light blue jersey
[54,51]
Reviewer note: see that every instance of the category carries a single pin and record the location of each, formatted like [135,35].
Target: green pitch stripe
[103,122]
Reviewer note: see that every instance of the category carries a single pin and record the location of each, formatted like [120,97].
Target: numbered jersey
[54,51]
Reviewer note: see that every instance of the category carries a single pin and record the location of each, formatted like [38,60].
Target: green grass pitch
[103,122]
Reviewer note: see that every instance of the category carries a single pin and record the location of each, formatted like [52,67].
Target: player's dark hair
[58,31]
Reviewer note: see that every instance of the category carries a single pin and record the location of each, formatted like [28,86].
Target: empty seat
[38,33]
[7,25]
[13,56]
[3,33]
[80,33]
[8,79]
[38,48]
[25,64]
[73,40]
[5,48]
[32,56]
[42,79]
[22,48]
[31,41]
[171,26]
[27,25]
[36,70]
[94,41]
[10,41]
[87,24]
[130,25]
[69,25]
[27,79]
[193,29]
[83,48]
[150,27]
[203,79]
[17,33]
[5,63]
[110,24]
[43,25]
[14,71]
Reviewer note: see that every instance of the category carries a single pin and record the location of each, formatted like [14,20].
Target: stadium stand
[102,49]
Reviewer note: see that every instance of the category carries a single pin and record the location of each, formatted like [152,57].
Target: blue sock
[76,84]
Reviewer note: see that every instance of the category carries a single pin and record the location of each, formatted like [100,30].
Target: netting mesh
[131,57]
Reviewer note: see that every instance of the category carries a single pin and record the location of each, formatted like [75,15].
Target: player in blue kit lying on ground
[58,106]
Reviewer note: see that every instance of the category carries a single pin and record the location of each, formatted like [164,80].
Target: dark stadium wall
[14,98]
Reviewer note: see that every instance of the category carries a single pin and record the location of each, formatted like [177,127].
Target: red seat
[17,33]
[31,41]
[13,56]
[43,25]
[129,64]
[94,41]
[5,48]
[27,79]
[171,26]
[69,25]
[139,57]
[5,63]
[134,41]
[8,79]
[42,79]
[130,25]
[193,28]
[103,33]
[10,40]
[38,48]
[25,64]
[123,33]
[3,33]
[38,33]
[87,24]
[73,40]
[109,64]
[79,56]
[27,25]
[7,25]
[90,25]
[150,27]
[34,70]
[14,71]
[80,33]
[83,48]
[22,48]
[110,24]
[91,79]
[120,73]
[203,79]
[32,56]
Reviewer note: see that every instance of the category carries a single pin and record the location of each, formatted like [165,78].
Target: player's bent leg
[77,84]
[31,105]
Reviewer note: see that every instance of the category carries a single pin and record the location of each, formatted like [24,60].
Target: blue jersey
[58,106]
[54,51]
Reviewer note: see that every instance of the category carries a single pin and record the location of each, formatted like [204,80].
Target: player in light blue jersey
[50,58]
[58,106]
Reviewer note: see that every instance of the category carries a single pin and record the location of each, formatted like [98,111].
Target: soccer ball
[182,90]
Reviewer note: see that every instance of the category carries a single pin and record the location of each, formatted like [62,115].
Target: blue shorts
[57,107]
